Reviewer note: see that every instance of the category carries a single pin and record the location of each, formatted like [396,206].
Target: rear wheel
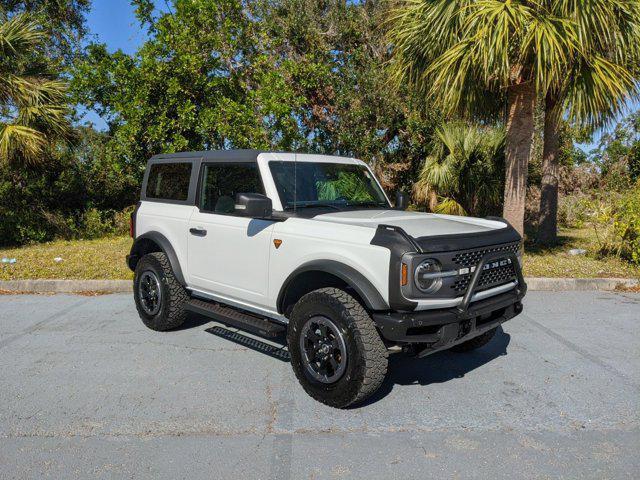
[160,298]
[475,343]
[336,351]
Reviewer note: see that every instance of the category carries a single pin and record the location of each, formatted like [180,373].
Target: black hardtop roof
[244,155]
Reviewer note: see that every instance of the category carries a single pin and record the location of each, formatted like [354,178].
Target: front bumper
[439,329]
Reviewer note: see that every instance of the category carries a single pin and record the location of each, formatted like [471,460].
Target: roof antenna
[295,182]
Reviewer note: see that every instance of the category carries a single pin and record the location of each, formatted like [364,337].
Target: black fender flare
[356,280]
[165,246]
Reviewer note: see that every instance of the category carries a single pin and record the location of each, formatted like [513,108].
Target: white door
[228,254]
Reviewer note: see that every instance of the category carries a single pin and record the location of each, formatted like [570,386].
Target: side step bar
[236,318]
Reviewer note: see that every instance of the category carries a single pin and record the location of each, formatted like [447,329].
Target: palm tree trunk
[521,100]
[548,224]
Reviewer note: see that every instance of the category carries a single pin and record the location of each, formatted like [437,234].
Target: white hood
[416,224]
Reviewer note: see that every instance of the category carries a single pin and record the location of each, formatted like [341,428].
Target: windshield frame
[331,205]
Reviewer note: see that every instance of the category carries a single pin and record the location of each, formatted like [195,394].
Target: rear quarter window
[169,181]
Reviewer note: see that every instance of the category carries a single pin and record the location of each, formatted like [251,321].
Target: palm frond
[598,92]
[465,165]
[551,43]
[448,206]
[439,174]
[493,24]
[34,102]
[19,33]
[458,51]
[20,140]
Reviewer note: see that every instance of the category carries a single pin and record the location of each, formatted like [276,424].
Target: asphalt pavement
[86,391]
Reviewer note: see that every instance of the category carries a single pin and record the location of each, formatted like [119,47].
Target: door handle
[198,232]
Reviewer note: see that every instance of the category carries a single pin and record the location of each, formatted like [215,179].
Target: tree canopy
[64,21]
[292,75]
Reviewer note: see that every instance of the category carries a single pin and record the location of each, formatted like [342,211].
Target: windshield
[302,184]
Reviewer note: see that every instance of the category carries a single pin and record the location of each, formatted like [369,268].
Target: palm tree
[610,38]
[464,172]
[33,111]
[472,56]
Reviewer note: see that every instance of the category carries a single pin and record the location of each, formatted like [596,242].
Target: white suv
[310,244]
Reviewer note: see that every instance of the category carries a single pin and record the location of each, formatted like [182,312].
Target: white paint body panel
[306,240]
[416,224]
[171,221]
[232,259]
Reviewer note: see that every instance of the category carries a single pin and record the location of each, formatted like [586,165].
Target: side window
[221,182]
[169,181]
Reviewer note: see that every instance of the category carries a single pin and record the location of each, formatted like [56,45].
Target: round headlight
[426,276]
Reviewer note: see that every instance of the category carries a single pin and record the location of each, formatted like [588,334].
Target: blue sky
[113,22]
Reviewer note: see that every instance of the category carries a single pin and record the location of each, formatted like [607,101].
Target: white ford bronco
[310,246]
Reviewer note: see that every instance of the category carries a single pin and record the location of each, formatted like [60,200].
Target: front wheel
[336,351]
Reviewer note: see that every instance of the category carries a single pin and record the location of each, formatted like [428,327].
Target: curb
[66,286]
[579,284]
[125,286]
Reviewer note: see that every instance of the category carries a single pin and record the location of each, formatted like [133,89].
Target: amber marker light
[404,274]
[277,242]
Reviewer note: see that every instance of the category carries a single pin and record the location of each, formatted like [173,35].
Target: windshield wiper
[313,205]
[368,204]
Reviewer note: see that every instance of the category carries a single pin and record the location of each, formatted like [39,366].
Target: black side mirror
[253,205]
[402,201]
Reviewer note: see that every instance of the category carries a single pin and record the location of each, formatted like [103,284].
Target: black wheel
[159,297]
[475,343]
[336,351]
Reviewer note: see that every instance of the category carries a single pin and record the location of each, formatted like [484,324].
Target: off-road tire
[475,343]
[172,311]
[366,354]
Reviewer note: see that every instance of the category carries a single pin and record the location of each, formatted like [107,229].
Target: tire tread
[178,296]
[373,351]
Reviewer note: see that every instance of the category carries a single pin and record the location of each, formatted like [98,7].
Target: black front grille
[491,277]
[471,258]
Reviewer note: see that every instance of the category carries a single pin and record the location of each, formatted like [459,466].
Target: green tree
[618,154]
[464,173]
[473,57]
[349,107]
[599,80]
[64,20]
[33,104]
[287,75]
[201,81]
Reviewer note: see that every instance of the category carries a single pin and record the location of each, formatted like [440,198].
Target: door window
[221,182]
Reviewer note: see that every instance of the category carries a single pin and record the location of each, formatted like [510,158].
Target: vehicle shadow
[403,369]
[439,367]
[192,321]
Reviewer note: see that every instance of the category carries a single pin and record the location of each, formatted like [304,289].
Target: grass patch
[105,259]
[556,261]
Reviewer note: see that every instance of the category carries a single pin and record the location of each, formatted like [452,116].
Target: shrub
[574,211]
[77,191]
[121,220]
[96,224]
[617,225]
[100,223]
